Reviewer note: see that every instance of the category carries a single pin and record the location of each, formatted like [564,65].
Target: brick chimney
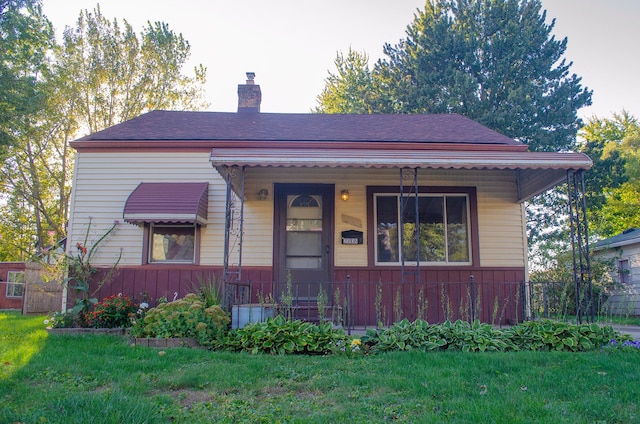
[249,95]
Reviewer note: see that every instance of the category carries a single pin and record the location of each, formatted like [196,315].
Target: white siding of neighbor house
[625,299]
[104,180]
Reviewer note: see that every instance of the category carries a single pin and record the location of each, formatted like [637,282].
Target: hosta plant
[283,336]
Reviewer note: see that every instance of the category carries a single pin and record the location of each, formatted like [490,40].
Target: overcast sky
[291,44]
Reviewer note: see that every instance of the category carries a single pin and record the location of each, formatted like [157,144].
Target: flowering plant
[625,344]
[351,347]
[80,274]
[60,320]
[113,312]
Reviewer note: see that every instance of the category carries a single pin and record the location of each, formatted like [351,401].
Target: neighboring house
[11,284]
[624,250]
[22,287]
[315,200]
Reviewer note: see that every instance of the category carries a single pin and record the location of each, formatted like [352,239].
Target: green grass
[102,379]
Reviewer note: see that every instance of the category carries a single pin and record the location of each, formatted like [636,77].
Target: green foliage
[557,335]
[81,272]
[209,289]
[102,75]
[554,286]
[26,42]
[350,89]
[496,62]
[119,75]
[478,337]
[458,335]
[281,336]
[286,298]
[613,184]
[61,319]
[322,304]
[112,312]
[138,385]
[26,37]
[186,317]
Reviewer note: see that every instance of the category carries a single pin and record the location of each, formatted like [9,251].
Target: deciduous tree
[100,76]
[614,182]
[118,75]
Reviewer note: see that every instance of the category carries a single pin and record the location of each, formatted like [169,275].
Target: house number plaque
[352,237]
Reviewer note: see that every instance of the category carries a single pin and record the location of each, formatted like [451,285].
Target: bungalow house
[624,250]
[375,217]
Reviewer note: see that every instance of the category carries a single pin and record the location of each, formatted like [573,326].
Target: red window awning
[179,203]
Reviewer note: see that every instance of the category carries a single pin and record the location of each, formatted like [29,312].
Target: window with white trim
[172,243]
[15,284]
[444,229]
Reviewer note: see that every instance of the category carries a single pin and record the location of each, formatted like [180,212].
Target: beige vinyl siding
[500,221]
[104,180]
[102,183]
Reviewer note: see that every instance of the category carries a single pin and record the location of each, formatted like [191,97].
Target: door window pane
[304,232]
[303,243]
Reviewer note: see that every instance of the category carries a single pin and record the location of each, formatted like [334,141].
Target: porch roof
[184,202]
[536,171]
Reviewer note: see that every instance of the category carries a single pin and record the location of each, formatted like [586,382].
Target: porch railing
[373,304]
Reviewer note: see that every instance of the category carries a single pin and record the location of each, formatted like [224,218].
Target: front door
[304,238]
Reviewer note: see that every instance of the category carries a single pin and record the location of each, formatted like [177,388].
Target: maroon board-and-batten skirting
[370,294]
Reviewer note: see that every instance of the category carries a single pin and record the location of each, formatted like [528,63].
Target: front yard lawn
[102,379]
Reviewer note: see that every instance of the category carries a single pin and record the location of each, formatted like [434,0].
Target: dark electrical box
[352,237]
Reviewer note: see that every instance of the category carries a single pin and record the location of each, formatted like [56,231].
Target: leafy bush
[186,317]
[281,336]
[113,312]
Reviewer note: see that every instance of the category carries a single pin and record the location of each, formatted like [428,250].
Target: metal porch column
[580,245]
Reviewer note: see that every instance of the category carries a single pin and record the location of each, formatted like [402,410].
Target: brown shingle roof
[176,125]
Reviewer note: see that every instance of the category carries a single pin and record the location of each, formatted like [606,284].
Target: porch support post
[413,174]
[232,227]
[580,246]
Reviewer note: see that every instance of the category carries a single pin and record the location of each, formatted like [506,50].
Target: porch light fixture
[344,195]
[263,194]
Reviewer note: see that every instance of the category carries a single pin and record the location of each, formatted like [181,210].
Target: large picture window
[15,284]
[172,243]
[440,221]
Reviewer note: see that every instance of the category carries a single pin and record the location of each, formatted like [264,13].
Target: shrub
[186,317]
[113,312]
